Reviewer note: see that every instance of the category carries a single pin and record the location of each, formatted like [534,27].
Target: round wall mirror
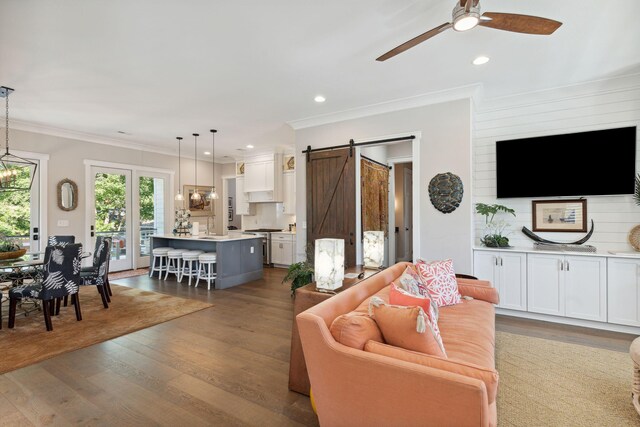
[67,195]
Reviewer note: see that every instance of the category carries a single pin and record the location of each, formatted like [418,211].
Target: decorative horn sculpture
[530,234]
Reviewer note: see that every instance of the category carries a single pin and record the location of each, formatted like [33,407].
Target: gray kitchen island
[239,258]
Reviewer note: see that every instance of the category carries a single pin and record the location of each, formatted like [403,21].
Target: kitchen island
[239,258]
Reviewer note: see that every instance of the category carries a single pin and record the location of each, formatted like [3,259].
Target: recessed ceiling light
[319,98]
[249,146]
[207,153]
[481,60]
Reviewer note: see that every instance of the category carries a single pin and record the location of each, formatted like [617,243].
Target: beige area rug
[131,310]
[128,273]
[550,383]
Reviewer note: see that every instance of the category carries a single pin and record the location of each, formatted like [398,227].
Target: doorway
[129,206]
[21,213]
[403,189]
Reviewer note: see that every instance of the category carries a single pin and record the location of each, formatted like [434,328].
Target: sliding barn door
[331,199]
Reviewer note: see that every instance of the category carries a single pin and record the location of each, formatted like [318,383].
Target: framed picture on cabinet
[559,215]
[289,163]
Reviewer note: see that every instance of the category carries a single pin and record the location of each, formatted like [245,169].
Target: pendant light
[13,168]
[213,195]
[196,196]
[179,197]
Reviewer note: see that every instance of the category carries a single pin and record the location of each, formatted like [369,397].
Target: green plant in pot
[300,273]
[10,248]
[494,228]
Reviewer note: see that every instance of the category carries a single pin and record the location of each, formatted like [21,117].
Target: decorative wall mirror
[67,195]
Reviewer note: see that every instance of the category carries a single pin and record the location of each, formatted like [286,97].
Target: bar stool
[188,269]
[174,258]
[160,255]
[206,271]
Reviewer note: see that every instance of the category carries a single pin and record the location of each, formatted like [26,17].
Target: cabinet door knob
[561,265]
[501,261]
[567,265]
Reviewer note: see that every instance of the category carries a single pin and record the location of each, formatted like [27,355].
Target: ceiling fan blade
[519,23]
[414,41]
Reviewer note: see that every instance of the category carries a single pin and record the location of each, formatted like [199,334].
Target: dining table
[15,272]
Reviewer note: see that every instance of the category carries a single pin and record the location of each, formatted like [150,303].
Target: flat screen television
[601,162]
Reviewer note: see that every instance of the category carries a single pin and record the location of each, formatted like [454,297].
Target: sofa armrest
[482,293]
[356,388]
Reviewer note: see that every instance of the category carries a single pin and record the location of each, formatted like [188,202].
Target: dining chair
[98,274]
[61,240]
[61,277]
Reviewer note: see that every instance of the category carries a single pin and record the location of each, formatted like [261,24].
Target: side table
[306,297]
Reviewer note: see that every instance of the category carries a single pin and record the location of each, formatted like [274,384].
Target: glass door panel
[111,207]
[20,212]
[151,214]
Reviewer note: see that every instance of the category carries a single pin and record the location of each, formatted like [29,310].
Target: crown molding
[86,137]
[463,92]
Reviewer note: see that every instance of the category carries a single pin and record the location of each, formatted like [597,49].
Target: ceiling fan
[466,15]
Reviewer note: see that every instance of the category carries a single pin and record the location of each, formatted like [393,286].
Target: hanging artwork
[199,207]
[445,192]
[375,196]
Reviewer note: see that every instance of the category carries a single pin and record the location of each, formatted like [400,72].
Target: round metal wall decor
[445,192]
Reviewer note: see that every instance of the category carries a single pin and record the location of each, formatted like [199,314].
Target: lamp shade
[373,248]
[329,263]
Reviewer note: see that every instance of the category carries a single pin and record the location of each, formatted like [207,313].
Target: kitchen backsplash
[268,215]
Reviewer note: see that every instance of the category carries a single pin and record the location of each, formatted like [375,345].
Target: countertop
[532,250]
[206,238]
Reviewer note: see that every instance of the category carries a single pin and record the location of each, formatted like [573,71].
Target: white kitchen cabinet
[507,271]
[259,176]
[564,285]
[263,178]
[623,277]
[289,192]
[282,249]
[243,207]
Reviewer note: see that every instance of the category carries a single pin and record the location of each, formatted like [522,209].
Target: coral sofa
[390,386]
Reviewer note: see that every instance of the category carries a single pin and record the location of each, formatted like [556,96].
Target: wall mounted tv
[601,162]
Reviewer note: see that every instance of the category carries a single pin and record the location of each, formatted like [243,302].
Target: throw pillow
[355,329]
[411,282]
[406,327]
[398,296]
[440,280]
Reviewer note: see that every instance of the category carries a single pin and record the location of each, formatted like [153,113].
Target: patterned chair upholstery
[98,274]
[61,278]
[60,240]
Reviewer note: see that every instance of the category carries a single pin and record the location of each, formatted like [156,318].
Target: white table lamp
[373,248]
[329,263]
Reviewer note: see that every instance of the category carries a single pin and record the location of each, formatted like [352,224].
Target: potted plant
[10,249]
[494,229]
[300,273]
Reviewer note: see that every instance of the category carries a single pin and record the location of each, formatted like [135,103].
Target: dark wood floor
[226,365]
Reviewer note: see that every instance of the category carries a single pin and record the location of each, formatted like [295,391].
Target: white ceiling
[162,68]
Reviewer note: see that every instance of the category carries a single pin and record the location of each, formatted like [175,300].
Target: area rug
[128,273]
[550,383]
[131,310]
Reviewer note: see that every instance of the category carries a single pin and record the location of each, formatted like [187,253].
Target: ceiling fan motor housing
[464,20]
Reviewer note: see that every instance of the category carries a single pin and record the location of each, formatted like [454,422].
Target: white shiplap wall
[591,106]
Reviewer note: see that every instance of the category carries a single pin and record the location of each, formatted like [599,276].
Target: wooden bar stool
[188,267]
[159,261]
[174,262]
[206,271]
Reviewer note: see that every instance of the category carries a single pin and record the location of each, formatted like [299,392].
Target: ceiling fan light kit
[464,20]
[466,16]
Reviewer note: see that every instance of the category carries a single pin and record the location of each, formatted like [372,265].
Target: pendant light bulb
[179,197]
[196,196]
[213,195]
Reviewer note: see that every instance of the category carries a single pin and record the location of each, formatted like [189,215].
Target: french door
[111,208]
[129,206]
[151,212]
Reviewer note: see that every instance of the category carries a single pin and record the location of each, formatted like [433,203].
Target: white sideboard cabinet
[507,271]
[623,294]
